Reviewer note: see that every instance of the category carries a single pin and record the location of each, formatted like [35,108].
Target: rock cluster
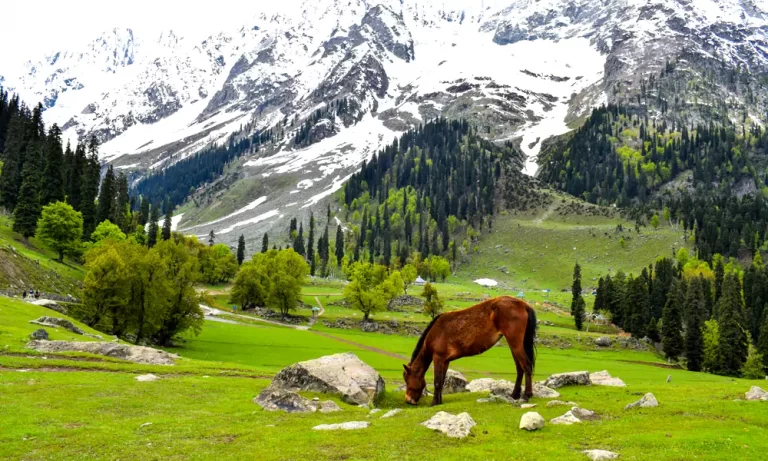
[603,378]
[136,354]
[576,378]
[54,322]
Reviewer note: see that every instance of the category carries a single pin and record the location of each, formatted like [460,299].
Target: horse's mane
[423,337]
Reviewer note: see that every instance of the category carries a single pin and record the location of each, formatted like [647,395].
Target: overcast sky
[32,28]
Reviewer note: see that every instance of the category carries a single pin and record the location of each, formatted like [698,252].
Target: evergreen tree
[339,245]
[323,250]
[672,321]
[28,209]
[311,244]
[762,342]
[577,302]
[637,302]
[265,243]
[76,175]
[144,211]
[732,345]
[105,209]
[241,250]
[89,188]
[719,276]
[167,225]
[298,243]
[122,204]
[53,178]
[694,310]
[13,160]
[211,237]
[154,217]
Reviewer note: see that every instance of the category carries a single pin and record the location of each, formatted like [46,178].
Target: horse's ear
[407,369]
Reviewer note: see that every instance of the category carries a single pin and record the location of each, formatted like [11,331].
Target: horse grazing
[469,332]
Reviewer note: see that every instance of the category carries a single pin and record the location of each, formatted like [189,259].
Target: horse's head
[414,385]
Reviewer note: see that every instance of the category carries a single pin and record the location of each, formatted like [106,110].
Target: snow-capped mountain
[519,69]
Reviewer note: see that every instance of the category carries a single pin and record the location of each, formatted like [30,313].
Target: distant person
[37,294]
[24,294]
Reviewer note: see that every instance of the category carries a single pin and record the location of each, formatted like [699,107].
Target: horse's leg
[523,367]
[440,369]
[519,380]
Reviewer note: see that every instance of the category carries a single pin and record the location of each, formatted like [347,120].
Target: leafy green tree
[753,366]
[433,305]
[218,264]
[105,289]
[61,228]
[409,275]
[107,231]
[577,301]
[711,338]
[287,272]
[655,221]
[672,321]
[240,250]
[370,290]
[439,268]
[251,286]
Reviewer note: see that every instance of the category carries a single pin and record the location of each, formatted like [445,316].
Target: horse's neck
[422,362]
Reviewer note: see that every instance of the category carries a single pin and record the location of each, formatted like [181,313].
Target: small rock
[483,400]
[348,426]
[145,425]
[528,406]
[455,382]
[329,406]
[147,378]
[316,399]
[566,419]
[374,411]
[756,393]
[554,403]
[531,421]
[391,413]
[603,378]
[647,401]
[543,392]
[584,414]
[600,455]
[603,341]
[576,378]
[454,426]
[39,334]
[482,384]
[275,399]
[669,378]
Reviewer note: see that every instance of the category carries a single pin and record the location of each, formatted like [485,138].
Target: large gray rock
[278,399]
[454,426]
[603,378]
[756,393]
[576,378]
[543,392]
[648,401]
[136,354]
[567,419]
[52,305]
[455,383]
[600,455]
[344,375]
[53,322]
[329,406]
[40,334]
[482,384]
[348,426]
[603,341]
[531,421]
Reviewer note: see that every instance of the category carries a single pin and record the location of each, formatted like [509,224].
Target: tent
[419,281]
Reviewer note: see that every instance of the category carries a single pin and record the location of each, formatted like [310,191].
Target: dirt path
[546,214]
[361,346]
[211,313]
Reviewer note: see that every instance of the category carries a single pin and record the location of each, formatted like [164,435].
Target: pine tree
[76,173]
[694,309]
[144,211]
[323,250]
[311,244]
[89,188]
[265,243]
[105,211]
[241,250]
[298,243]
[13,160]
[719,277]
[762,341]
[672,321]
[153,226]
[339,245]
[732,345]
[122,204]
[211,237]
[637,302]
[28,209]
[53,178]
[577,301]
[167,226]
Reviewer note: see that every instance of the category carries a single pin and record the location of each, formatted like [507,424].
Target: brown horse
[469,332]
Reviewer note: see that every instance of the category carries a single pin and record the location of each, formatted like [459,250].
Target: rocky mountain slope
[522,70]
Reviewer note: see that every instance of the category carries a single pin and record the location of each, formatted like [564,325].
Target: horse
[472,331]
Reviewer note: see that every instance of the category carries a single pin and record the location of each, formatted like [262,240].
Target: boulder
[455,382]
[603,341]
[576,378]
[600,455]
[391,413]
[756,393]
[647,401]
[454,426]
[276,399]
[502,390]
[344,375]
[53,322]
[543,392]
[52,305]
[39,334]
[566,419]
[482,384]
[147,378]
[136,354]
[329,406]
[531,421]
[584,414]
[348,426]
[603,378]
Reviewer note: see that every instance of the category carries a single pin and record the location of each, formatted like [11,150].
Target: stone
[647,401]
[603,378]
[576,378]
[145,425]
[344,375]
[502,390]
[277,399]
[567,419]
[482,384]
[52,305]
[756,393]
[484,400]
[374,411]
[600,455]
[39,334]
[528,406]
[455,382]
[391,413]
[329,406]
[584,414]
[402,388]
[603,341]
[543,392]
[136,354]
[53,322]
[454,426]
[147,378]
[531,421]
[348,426]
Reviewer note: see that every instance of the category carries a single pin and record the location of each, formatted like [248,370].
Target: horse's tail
[530,338]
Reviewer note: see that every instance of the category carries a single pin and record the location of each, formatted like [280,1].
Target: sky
[37,27]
